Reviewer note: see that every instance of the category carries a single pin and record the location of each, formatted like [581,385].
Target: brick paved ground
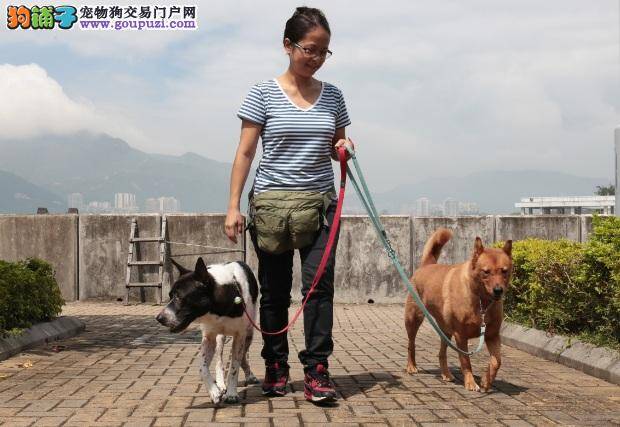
[126,369]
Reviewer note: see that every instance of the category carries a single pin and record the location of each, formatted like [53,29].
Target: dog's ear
[508,248]
[182,270]
[478,249]
[200,271]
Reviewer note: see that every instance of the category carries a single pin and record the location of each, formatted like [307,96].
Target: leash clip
[390,250]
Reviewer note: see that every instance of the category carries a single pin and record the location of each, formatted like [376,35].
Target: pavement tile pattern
[127,370]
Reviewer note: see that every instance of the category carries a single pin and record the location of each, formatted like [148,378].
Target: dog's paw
[485,385]
[232,398]
[472,386]
[449,377]
[251,379]
[216,394]
[411,369]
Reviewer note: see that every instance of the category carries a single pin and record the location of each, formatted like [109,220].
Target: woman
[301,121]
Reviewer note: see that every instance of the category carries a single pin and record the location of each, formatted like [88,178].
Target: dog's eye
[486,272]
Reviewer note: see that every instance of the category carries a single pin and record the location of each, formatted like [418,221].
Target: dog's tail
[432,248]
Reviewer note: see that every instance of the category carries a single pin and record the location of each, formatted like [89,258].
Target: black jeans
[275,276]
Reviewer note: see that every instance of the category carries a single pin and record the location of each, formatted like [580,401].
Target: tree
[605,190]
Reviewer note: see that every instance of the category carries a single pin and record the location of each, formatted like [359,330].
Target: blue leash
[374,217]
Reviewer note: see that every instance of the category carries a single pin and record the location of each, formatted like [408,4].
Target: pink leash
[328,249]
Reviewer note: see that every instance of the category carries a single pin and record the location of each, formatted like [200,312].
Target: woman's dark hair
[303,20]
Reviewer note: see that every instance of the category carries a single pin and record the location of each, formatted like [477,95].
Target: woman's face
[309,53]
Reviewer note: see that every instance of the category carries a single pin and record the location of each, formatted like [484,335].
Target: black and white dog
[207,296]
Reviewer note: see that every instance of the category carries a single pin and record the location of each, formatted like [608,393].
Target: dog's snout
[160,317]
[498,291]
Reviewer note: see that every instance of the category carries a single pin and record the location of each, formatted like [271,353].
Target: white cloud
[34,104]
[433,88]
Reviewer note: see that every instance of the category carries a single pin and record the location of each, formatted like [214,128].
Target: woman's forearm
[238,176]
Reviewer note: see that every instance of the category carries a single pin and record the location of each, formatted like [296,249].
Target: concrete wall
[49,237]
[363,269]
[89,252]
[585,228]
[104,243]
[550,227]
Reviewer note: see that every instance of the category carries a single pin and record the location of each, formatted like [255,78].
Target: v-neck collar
[297,106]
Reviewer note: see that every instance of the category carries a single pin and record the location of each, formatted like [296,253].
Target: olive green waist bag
[285,220]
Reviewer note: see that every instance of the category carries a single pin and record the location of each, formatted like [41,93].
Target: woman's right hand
[233,224]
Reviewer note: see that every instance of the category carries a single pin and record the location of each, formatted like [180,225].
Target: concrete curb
[41,333]
[596,361]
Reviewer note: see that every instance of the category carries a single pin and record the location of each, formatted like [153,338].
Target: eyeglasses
[314,53]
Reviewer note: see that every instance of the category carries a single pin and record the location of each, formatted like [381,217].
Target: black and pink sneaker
[318,387]
[276,378]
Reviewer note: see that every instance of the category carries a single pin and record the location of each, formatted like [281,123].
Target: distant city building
[436,210]
[422,206]
[567,205]
[125,203]
[99,207]
[450,207]
[124,200]
[162,205]
[468,208]
[75,200]
[169,204]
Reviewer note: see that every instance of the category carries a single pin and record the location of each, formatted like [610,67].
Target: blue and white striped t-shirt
[296,142]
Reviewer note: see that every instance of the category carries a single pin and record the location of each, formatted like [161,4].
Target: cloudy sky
[434,88]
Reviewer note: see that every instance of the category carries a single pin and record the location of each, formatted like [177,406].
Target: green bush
[570,288]
[602,256]
[29,294]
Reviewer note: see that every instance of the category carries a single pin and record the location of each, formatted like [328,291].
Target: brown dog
[457,296]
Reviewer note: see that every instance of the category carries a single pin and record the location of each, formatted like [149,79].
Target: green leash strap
[374,217]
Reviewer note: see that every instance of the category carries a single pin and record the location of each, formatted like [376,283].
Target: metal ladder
[134,263]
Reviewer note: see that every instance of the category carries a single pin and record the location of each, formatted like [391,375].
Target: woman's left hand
[344,143]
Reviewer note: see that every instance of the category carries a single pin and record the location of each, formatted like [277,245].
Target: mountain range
[20,196]
[42,171]
[98,166]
